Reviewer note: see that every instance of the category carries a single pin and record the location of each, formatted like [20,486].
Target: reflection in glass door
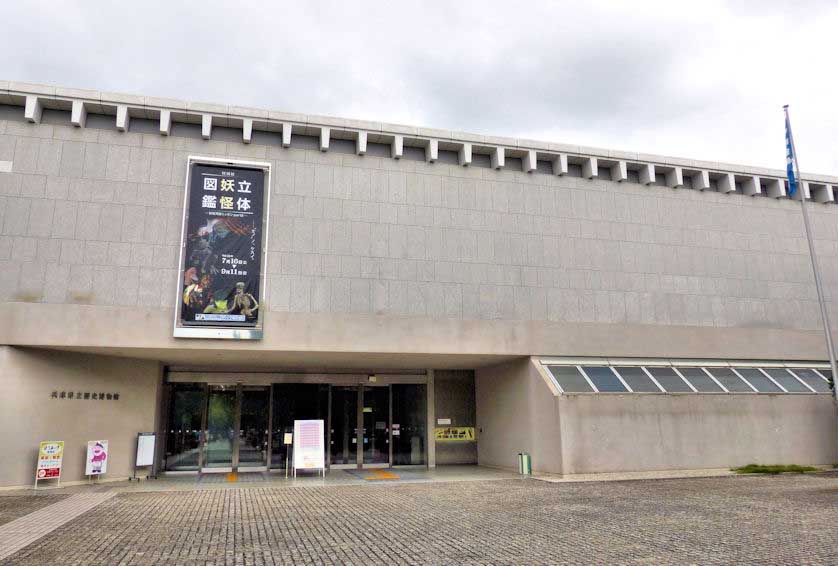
[183,433]
[220,428]
[343,431]
[295,401]
[253,428]
[409,424]
[376,429]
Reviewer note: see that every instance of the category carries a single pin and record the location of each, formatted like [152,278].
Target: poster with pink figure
[97,458]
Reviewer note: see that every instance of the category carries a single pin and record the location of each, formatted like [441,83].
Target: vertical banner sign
[222,248]
[309,446]
[50,456]
[96,462]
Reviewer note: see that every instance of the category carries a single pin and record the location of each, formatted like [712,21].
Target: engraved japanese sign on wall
[222,253]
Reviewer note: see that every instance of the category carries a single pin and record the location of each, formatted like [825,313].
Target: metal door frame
[389,462]
[266,465]
[359,432]
[358,408]
[234,460]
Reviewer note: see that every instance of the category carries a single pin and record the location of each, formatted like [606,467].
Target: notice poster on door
[50,456]
[96,462]
[309,448]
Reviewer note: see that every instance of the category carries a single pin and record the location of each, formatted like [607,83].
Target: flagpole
[815,268]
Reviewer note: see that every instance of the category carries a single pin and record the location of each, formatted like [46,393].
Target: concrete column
[165,122]
[647,174]
[464,155]
[751,186]
[530,161]
[727,183]
[775,188]
[701,181]
[397,147]
[33,110]
[123,118]
[803,188]
[78,115]
[675,178]
[247,130]
[590,168]
[431,424]
[619,171]
[325,135]
[560,164]
[361,143]
[206,126]
[286,135]
[498,158]
[432,151]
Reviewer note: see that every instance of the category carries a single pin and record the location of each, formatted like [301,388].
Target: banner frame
[221,332]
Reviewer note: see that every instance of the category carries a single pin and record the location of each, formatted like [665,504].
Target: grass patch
[773,469]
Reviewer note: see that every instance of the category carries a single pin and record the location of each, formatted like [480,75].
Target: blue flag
[790,157]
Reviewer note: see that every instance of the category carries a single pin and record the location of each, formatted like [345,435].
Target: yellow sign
[454,434]
[50,456]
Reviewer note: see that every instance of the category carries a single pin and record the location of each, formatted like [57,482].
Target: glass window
[730,380]
[827,373]
[813,380]
[605,379]
[670,380]
[700,380]
[787,380]
[758,380]
[570,380]
[637,379]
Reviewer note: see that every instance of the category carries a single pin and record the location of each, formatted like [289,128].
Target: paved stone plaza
[742,520]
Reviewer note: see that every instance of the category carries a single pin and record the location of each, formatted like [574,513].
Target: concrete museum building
[213,273]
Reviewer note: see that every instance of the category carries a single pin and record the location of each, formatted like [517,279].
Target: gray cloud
[705,82]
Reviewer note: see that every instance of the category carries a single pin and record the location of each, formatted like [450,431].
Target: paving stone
[15,506]
[730,520]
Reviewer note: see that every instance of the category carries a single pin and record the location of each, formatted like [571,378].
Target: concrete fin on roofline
[33,98]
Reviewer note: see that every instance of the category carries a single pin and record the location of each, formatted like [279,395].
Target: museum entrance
[367,445]
[224,427]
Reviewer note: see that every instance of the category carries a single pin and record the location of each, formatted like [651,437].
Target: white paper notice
[309,449]
[145,449]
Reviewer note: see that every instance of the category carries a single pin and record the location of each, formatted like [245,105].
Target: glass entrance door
[343,429]
[253,428]
[187,402]
[351,446]
[220,431]
[376,426]
[290,402]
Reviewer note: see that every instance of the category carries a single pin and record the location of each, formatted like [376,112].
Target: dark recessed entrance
[241,427]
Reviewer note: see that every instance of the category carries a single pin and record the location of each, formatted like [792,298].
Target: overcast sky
[705,82]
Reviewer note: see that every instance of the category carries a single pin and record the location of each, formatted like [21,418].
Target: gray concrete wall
[29,414]
[516,412]
[605,433]
[570,434]
[91,216]
[454,399]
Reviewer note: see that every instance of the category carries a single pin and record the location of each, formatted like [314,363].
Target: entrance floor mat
[373,474]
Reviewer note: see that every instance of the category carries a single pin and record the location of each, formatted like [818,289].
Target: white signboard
[145,449]
[309,447]
[96,462]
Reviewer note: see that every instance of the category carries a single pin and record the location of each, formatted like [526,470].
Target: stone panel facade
[93,216]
